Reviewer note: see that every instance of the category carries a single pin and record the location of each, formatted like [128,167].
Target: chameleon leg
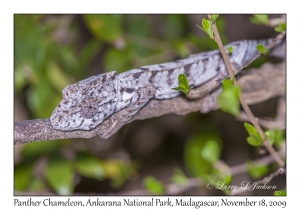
[117,120]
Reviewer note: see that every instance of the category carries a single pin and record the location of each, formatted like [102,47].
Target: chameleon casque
[87,103]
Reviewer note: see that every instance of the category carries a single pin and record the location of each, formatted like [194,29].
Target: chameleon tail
[278,50]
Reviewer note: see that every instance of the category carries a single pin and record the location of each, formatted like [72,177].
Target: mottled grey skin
[87,103]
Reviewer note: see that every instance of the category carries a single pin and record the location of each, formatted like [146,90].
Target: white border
[8,8]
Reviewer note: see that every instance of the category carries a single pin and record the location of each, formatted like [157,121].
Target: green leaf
[256,171]
[214,17]
[59,174]
[280,28]
[179,177]
[228,100]
[254,141]
[251,129]
[153,185]
[254,138]
[205,24]
[88,166]
[205,42]
[260,19]
[229,49]
[206,27]
[183,80]
[211,151]
[279,136]
[260,48]
[227,84]
[270,136]
[274,136]
[280,193]
[183,84]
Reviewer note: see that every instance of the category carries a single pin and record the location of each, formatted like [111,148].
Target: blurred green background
[51,51]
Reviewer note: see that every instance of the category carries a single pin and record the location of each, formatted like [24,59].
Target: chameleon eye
[89,109]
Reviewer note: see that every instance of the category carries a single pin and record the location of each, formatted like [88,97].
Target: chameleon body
[87,103]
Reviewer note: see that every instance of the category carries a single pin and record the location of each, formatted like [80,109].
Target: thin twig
[252,118]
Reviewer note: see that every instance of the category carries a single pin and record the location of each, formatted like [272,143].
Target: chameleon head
[86,104]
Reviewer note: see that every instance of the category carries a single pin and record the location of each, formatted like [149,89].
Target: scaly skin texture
[87,103]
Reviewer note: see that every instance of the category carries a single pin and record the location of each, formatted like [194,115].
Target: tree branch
[246,108]
[41,129]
